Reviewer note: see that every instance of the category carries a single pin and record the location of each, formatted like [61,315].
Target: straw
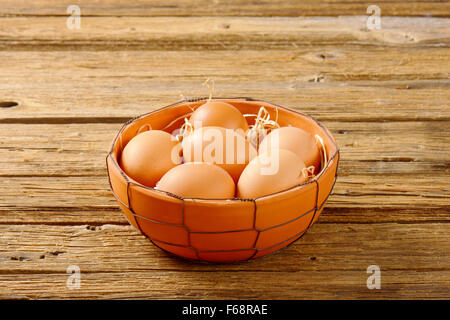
[323,152]
[208,83]
[263,123]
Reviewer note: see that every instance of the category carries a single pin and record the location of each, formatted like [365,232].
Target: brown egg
[149,155]
[269,173]
[198,180]
[296,140]
[218,113]
[224,147]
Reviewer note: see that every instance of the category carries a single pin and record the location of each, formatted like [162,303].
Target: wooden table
[384,94]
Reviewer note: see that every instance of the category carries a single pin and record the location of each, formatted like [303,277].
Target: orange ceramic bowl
[225,230]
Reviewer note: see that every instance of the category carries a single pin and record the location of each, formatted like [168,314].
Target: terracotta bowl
[226,230]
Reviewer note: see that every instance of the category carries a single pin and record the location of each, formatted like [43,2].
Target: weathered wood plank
[361,199]
[325,79]
[352,86]
[326,259]
[231,33]
[93,216]
[367,148]
[333,246]
[118,100]
[229,285]
[83,214]
[226,8]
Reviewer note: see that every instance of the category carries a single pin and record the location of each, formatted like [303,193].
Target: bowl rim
[129,180]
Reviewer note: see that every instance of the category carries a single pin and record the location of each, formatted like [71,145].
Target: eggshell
[270,173]
[149,155]
[218,113]
[198,180]
[296,140]
[224,147]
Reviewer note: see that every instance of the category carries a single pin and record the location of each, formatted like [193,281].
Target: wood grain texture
[228,285]
[383,94]
[199,33]
[351,86]
[290,8]
[401,147]
[321,65]
[314,262]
